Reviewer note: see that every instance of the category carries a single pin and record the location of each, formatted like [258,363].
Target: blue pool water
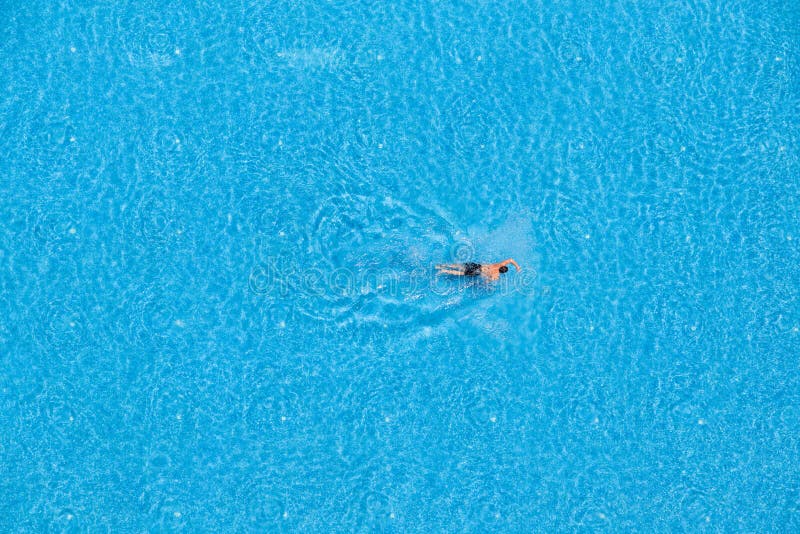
[219,220]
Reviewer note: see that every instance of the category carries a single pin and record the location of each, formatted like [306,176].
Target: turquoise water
[218,308]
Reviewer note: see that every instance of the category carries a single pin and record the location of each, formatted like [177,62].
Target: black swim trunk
[472,269]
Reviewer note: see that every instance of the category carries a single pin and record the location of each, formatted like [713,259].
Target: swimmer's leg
[451,271]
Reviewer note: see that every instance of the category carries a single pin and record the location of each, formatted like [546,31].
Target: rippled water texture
[218,227]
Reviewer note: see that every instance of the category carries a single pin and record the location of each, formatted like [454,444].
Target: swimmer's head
[503,269]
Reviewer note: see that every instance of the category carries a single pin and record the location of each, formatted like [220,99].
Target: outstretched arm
[512,262]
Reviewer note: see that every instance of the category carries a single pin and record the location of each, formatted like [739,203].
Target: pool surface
[218,227]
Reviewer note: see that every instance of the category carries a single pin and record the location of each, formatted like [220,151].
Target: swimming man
[491,271]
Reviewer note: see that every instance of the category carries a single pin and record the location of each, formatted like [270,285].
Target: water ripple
[149,37]
[363,258]
[63,329]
